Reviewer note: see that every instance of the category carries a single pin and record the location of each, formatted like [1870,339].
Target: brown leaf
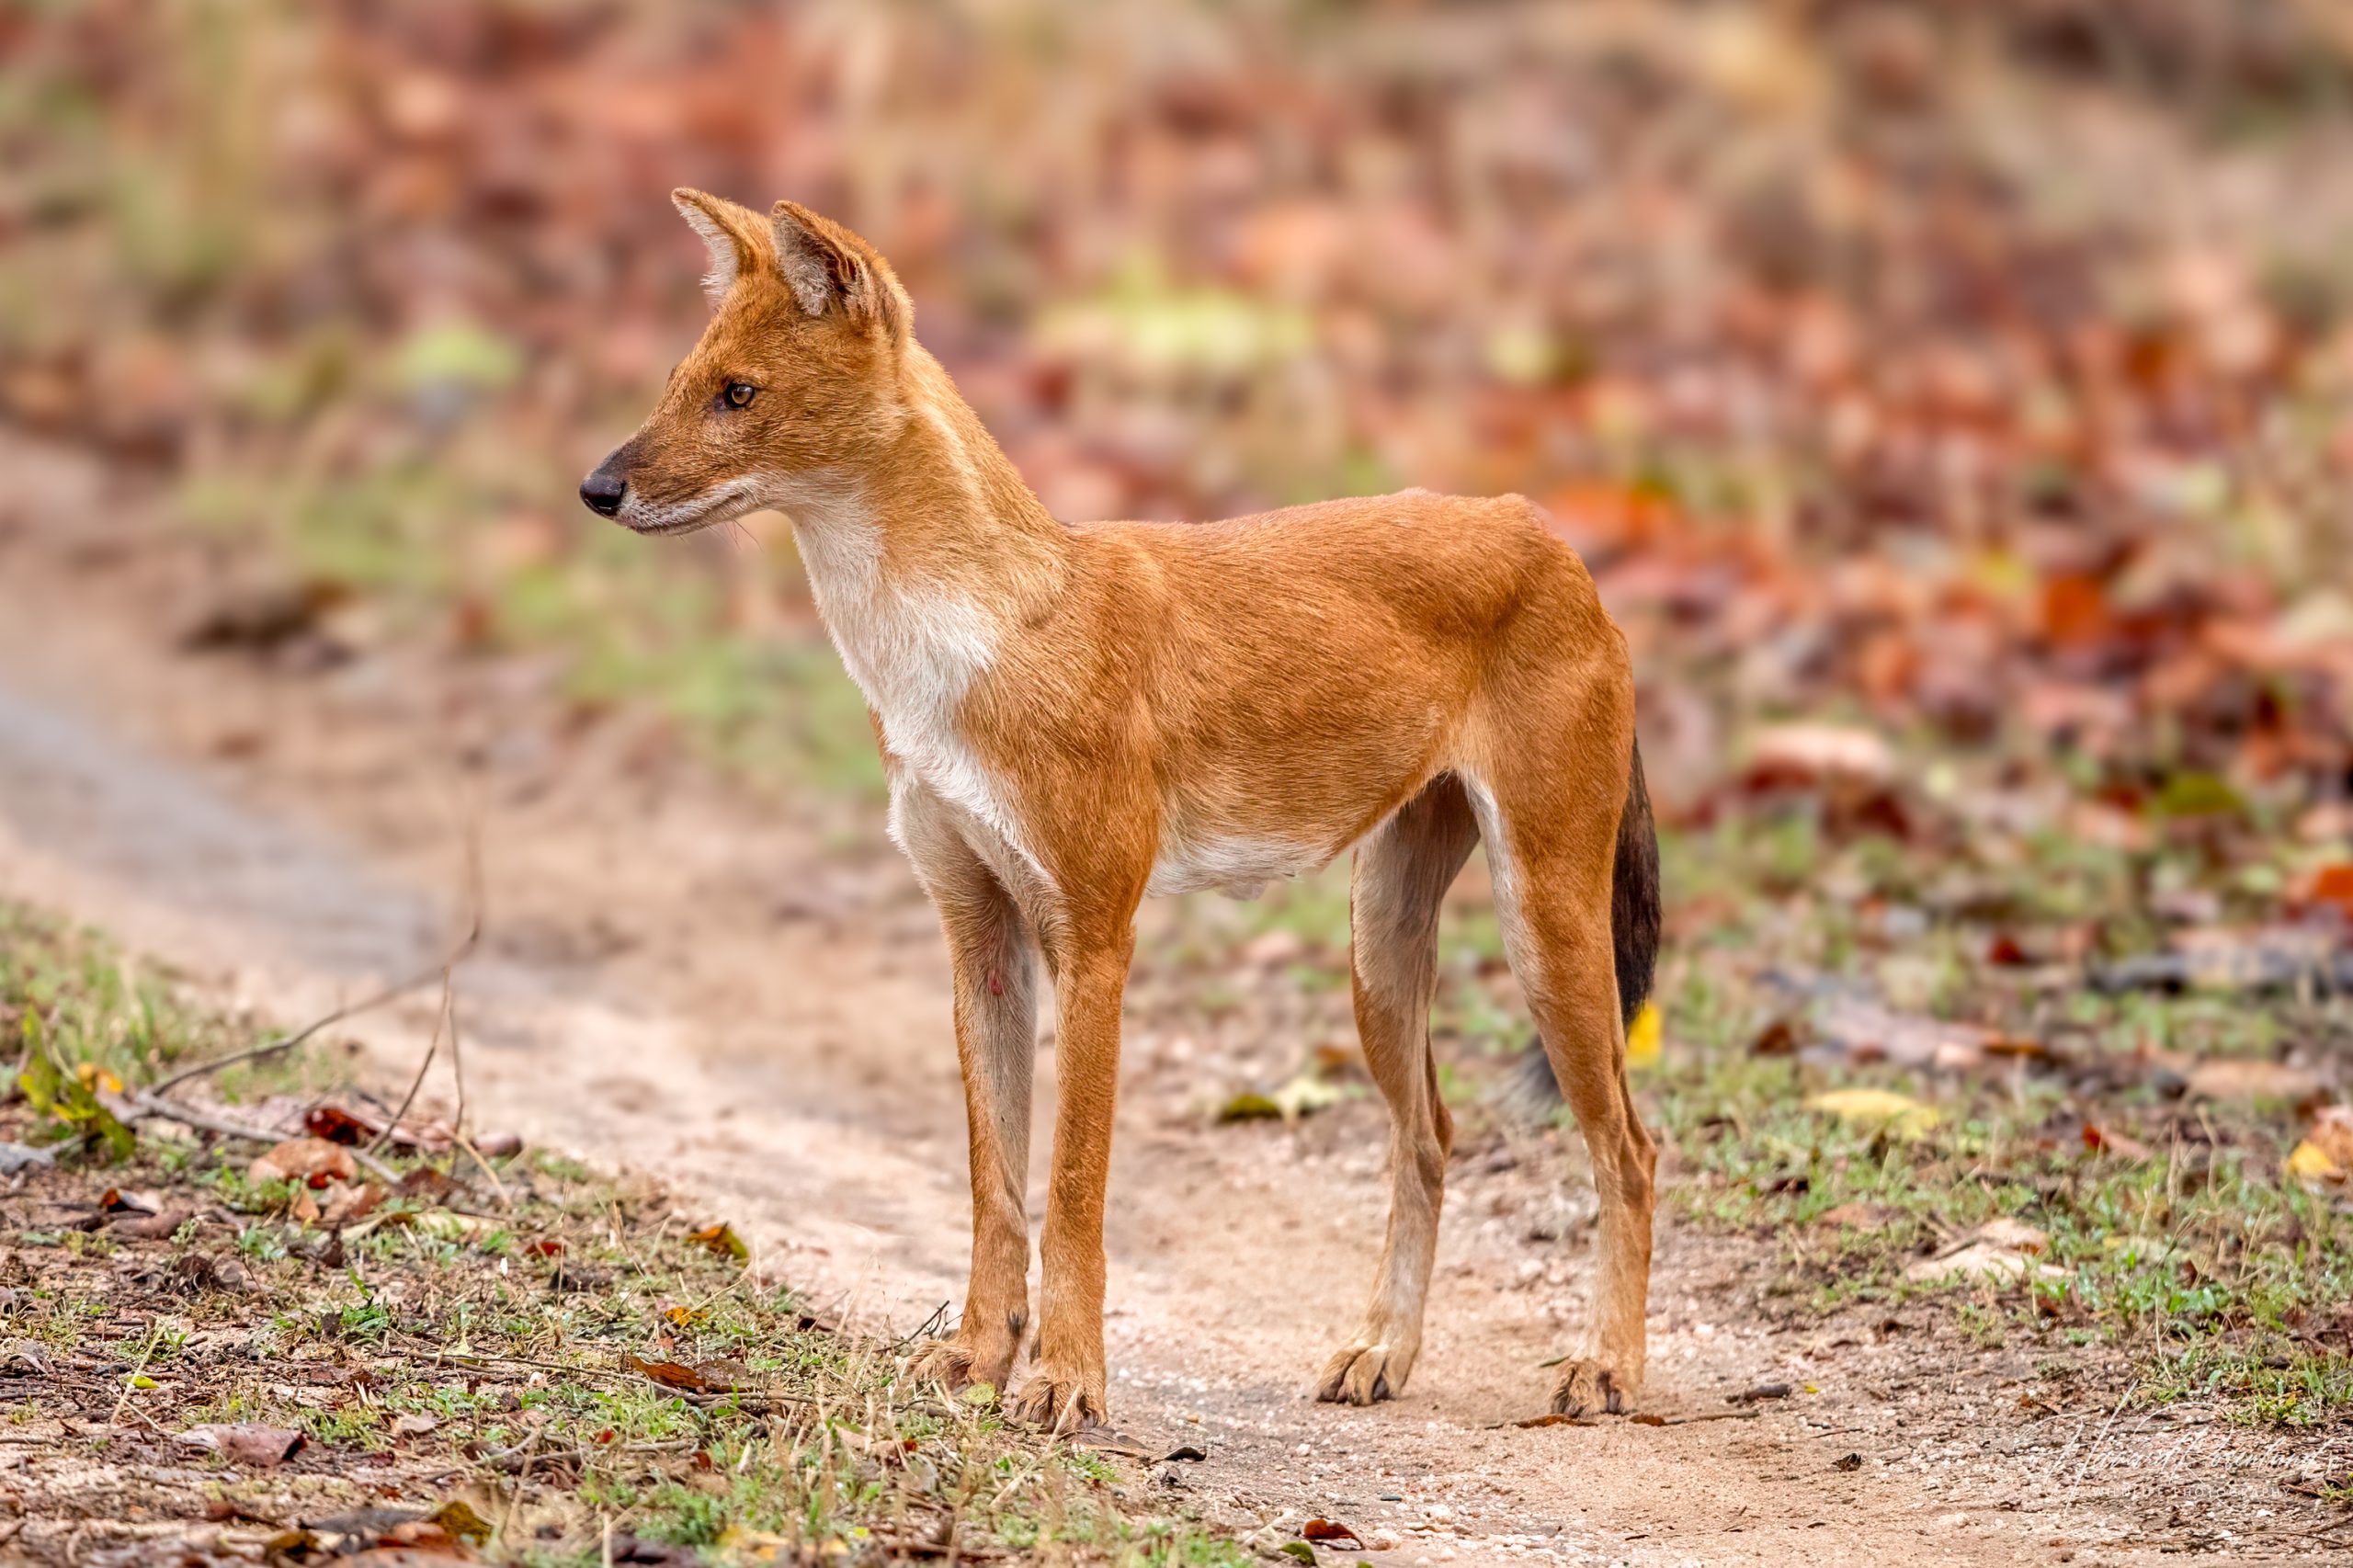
[669,1374]
[299,1159]
[425,1182]
[1860,1216]
[336,1125]
[1786,755]
[352,1203]
[2107,1141]
[1329,1530]
[2244,1078]
[153,1227]
[2332,1129]
[246,1443]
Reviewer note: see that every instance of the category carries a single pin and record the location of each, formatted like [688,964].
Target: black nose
[601,492]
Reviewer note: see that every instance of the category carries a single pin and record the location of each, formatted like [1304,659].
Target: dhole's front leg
[997,1035]
[1066,1390]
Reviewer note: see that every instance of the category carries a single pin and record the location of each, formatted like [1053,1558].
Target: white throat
[914,646]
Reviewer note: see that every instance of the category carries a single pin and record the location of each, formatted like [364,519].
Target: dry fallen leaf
[299,1159]
[460,1521]
[1898,1114]
[336,1125]
[2109,1142]
[669,1374]
[1329,1531]
[2242,1078]
[1806,754]
[2324,1155]
[352,1203]
[1860,1216]
[246,1443]
[1979,1260]
[2000,1250]
[2015,1234]
[721,1239]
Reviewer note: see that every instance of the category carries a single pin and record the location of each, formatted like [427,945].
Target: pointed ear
[738,241]
[830,268]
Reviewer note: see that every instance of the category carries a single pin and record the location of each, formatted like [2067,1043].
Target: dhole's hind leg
[1402,873]
[1552,895]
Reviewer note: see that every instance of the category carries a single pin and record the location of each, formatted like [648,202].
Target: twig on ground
[456,955]
[432,1047]
[506,1526]
[458,1071]
[154,1333]
[495,1184]
[365,1005]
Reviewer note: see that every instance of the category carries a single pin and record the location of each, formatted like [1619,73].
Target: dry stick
[365,1005]
[506,1526]
[457,1131]
[432,1047]
[154,1333]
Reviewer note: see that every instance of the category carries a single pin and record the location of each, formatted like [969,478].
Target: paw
[1060,1402]
[957,1363]
[1360,1374]
[1589,1388]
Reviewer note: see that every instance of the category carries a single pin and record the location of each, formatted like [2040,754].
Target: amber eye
[739,394]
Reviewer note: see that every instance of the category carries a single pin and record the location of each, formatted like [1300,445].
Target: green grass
[425,1347]
[2202,1264]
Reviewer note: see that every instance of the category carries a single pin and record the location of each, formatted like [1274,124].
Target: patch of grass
[446,1347]
[2218,1277]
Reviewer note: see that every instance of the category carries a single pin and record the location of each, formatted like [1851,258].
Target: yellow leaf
[2308,1162]
[1899,1114]
[1643,1037]
[95,1078]
[721,1239]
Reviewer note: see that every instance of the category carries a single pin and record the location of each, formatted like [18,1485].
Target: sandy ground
[750,999]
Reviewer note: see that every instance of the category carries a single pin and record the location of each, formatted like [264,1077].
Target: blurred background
[1951,401]
[1976,371]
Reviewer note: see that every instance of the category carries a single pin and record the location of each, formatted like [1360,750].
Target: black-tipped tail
[1634,896]
[1633,927]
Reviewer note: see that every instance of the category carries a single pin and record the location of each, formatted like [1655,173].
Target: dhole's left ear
[831,269]
[739,243]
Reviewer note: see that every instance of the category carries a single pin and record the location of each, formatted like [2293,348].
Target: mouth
[723,504]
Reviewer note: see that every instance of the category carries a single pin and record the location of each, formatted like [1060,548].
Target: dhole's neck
[922,563]
[940,511]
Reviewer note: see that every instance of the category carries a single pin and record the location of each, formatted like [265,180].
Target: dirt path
[727,996]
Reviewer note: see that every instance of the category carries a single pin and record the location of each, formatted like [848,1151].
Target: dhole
[1076,715]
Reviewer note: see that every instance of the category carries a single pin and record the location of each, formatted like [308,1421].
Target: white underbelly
[1240,867]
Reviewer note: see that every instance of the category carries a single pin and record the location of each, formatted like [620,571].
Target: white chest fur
[913,648]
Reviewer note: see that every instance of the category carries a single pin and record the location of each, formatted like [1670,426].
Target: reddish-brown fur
[1071,712]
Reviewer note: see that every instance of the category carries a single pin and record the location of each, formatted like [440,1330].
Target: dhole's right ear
[739,239]
[829,268]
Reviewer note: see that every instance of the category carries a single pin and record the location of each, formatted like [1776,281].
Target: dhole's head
[796,378]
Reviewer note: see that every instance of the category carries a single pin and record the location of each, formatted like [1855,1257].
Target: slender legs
[1401,875]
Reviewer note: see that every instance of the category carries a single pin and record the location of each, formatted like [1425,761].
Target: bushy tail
[1633,927]
[1634,896]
